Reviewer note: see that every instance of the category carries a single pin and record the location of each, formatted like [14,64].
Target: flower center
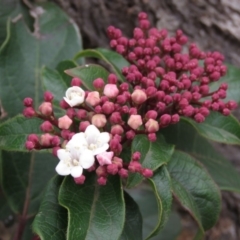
[92,146]
[75,94]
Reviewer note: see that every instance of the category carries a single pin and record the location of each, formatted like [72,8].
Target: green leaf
[153,155]
[64,65]
[232,79]
[51,220]
[214,132]
[14,132]
[187,139]
[88,74]
[24,177]
[115,60]
[94,211]
[5,210]
[148,205]
[195,189]
[161,184]
[25,53]
[133,220]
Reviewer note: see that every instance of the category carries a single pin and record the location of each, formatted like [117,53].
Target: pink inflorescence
[174,83]
[162,84]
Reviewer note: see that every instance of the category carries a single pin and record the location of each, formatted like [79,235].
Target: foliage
[186,166]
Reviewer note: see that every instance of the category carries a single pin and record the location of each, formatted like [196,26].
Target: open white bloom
[74,96]
[80,151]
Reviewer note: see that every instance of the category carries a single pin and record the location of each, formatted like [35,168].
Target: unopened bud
[151,126]
[46,108]
[139,96]
[64,122]
[135,121]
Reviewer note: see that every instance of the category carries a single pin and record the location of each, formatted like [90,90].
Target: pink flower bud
[130,134]
[117,129]
[99,120]
[82,114]
[135,121]
[135,166]
[151,114]
[231,105]
[83,125]
[104,158]
[98,83]
[33,138]
[55,141]
[108,107]
[111,90]
[76,82]
[45,140]
[71,113]
[29,112]
[152,137]
[93,98]
[63,104]
[112,78]
[28,102]
[123,173]
[226,111]
[80,180]
[29,145]
[199,118]
[165,120]
[46,108]
[102,181]
[136,156]
[151,126]
[139,96]
[46,126]
[64,122]
[147,173]
[101,171]
[115,118]
[48,96]
[175,118]
[188,111]
[112,169]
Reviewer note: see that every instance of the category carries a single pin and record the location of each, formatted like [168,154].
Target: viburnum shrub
[149,118]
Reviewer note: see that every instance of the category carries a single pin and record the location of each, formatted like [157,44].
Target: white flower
[80,151]
[74,96]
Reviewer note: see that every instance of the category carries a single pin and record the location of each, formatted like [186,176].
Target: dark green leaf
[161,184]
[232,79]
[153,155]
[195,189]
[25,53]
[14,132]
[95,212]
[88,74]
[5,210]
[115,60]
[64,65]
[24,177]
[51,220]
[133,220]
[187,139]
[214,132]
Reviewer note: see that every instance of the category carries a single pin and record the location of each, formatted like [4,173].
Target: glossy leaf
[161,184]
[25,53]
[88,74]
[187,139]
[115,60]
[51,220]
[214,132]
[14,132]
[24,177]
[147,203]
[93,210]
[133,220]
[153,155]
[195,189]
[64,65]
[232,79]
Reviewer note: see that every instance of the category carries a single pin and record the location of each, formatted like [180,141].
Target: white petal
[101,149]
[76,171]
[91,134]
[63,154]
[62,169]
[104,137]
[78,140]
[86,159]
[74,96]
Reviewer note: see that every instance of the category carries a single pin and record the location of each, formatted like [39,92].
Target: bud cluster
[175,83]
[162,84]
